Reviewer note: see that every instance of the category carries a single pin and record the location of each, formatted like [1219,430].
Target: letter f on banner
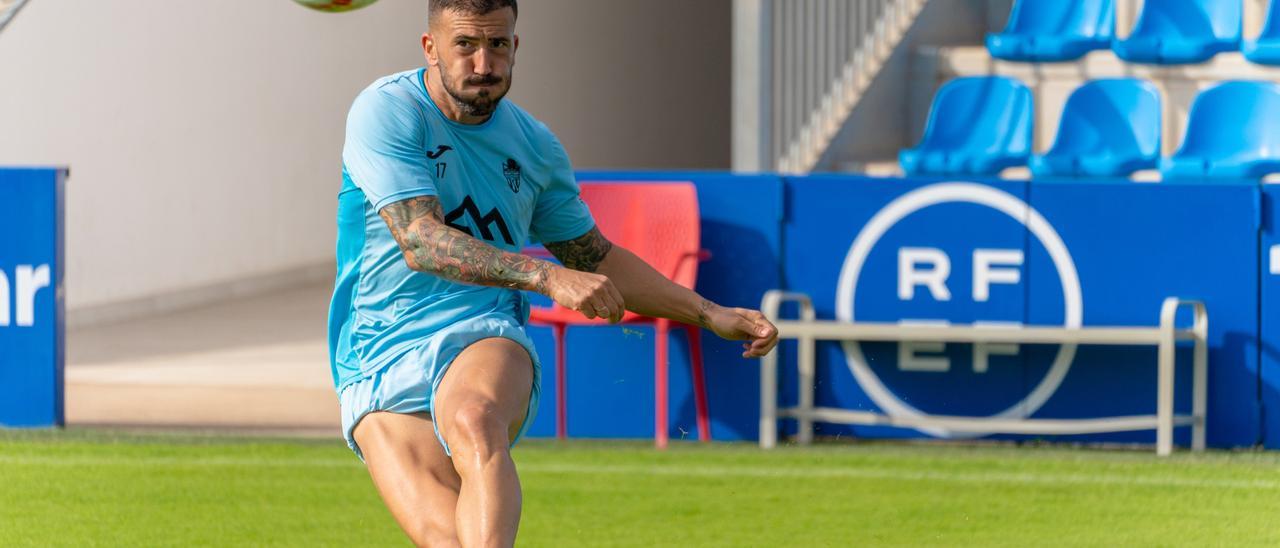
[985,272]
[910,273]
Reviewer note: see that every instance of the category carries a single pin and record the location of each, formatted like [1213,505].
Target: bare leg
[480,405]
[413,475]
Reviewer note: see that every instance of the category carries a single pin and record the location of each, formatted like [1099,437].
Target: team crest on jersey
[511,170]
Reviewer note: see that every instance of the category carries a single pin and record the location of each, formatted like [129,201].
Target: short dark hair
[471,7]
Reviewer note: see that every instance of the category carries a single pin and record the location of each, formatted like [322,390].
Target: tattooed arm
[649,293]
[433,247]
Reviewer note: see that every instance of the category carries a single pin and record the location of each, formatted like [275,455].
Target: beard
[478,103]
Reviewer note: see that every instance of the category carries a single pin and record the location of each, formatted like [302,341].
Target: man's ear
[429,49]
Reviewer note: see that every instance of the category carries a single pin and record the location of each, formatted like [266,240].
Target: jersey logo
[483,224]
[511,170]
[440,150]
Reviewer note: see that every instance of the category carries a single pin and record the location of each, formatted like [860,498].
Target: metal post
[752,85]
[769,378]
[1164,379]
[769,401]
[1200,382]
[807,365]
[770,306]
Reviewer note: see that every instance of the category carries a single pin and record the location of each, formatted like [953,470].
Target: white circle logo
[943,193]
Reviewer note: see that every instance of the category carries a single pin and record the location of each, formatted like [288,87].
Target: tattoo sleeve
[583,253]
[430,245]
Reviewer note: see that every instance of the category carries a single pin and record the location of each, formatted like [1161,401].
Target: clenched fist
[591,294]
[741,324]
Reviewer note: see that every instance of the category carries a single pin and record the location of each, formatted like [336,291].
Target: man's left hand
[741,324]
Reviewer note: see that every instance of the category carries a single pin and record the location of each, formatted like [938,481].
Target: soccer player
[443,183]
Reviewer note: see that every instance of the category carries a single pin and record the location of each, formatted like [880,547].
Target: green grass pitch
[87,488]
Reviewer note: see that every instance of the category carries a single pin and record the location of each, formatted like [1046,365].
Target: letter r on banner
[30,280]
[910,274]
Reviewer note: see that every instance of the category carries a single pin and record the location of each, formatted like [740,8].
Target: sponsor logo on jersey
[511,171]
[439,151]
[485,224]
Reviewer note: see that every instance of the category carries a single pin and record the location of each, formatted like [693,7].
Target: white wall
[204,137]
[630,83]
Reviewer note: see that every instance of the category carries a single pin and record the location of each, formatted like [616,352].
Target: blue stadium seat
[1109,128]
[1053,30]
[977,126]
[1231,134]
[1172,32]
[1265,49]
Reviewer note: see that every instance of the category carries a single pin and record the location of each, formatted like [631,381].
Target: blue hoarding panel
[922,251]
[31,297]
[937,251]
[1269,267]
[1133,245]
[610,369]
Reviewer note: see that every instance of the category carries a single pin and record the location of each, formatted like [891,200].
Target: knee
[478,428]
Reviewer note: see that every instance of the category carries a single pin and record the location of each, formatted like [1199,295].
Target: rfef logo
[18,294]
[966,277]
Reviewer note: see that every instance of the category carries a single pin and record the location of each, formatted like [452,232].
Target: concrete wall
[204,138]
[629,84]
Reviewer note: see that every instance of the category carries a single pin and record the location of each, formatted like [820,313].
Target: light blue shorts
[409,384]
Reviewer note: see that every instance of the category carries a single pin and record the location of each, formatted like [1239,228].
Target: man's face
[474,55]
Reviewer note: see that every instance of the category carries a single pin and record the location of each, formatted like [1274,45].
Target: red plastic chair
[659,223]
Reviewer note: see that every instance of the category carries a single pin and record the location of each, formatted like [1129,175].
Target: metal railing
[808,330]
[8,9]
[800,68]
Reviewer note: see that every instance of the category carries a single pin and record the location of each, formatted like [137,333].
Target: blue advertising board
[933,251]
[912,251]
[1133,245]
[31,308]
[1269,272]
[921,250]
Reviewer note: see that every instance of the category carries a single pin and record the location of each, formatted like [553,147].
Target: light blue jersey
[507,181]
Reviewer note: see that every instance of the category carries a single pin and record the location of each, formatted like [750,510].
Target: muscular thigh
[412,473]
[494,373]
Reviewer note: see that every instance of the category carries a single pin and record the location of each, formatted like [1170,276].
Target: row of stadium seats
[1109,128]
[1167,32]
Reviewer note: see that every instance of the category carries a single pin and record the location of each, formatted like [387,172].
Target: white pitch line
[283,462]
[899,474]
[706,471]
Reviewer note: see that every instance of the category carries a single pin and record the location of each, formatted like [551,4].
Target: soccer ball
[335,5]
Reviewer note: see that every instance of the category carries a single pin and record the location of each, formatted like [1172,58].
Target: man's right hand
[591,294]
